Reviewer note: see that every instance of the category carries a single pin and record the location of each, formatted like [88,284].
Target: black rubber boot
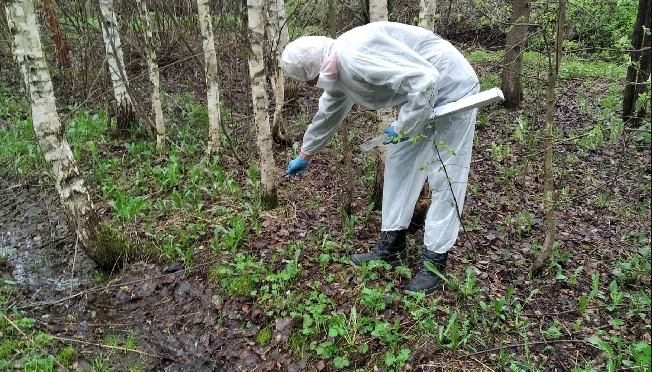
[425,280]
[391,248]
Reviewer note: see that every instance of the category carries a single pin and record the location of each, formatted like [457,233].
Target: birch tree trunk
[256,18]
[550,223]
[427,21]
[68,182]
[378,10]
[514,44]
[62,50]
[428,9]
[152,66]
[210,72]
[113,46]
[278,37]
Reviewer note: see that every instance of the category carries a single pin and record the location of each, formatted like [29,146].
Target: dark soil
[183,323]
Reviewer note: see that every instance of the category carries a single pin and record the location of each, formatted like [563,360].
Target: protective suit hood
[302,59]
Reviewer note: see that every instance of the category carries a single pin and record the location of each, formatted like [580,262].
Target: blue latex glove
[297,166]
[392,136]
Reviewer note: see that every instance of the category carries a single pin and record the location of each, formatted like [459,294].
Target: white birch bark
[427,13]
[278,37]
[210,72]
[114,56]
[378,10]
[68,182]
[256,13]
[152,65]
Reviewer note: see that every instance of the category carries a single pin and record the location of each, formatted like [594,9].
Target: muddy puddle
[177,320]
[39,251]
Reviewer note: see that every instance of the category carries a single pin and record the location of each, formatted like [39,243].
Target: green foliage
[19,153]
[618,354]
[483,56]
[263,336]
[66,356]
[240,278]
[574,67]
[185,202]
[114,247]
[636,268]
[602,23]
[489,81]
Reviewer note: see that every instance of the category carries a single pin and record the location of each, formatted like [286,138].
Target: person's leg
[405,175]
[447,177]
[443,218]
[404,179]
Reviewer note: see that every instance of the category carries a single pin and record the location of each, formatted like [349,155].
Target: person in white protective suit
[386,64]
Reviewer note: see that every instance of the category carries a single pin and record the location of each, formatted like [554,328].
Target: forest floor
[236,288]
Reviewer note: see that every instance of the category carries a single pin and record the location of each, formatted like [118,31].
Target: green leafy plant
[126,206]
[583,302]
[373,298]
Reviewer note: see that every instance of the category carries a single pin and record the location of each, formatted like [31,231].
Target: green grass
[572,67]
[22,344]
[184,203]
[19,153]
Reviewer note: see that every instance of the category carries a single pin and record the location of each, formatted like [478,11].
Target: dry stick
[528,344]
[484,365]
[99,288]
[29,339]
[106,346]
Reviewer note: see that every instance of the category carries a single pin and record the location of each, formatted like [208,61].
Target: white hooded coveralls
[386,64]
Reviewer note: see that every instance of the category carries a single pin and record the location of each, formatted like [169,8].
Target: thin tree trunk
[378,10]
[278,36]
[68,182]
[638,71]
[365,11]
[426,20]
[550,224]
[210,71]
[113,46]
[385,116]
[427,12]
[514,44]
[152,65]
[256,15]
[5,39]
[62,50]
[347,205]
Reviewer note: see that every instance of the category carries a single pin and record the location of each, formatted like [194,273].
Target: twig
[74,260]
[29,339]
[99,288]
[523,344]
[484,365]
[106,346]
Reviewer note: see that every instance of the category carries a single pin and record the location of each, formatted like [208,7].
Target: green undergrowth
[185,206]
